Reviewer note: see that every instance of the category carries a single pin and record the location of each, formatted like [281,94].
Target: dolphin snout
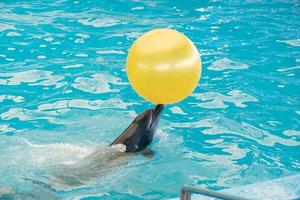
[158,110]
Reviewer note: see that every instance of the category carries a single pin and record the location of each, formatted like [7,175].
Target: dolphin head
[139,134]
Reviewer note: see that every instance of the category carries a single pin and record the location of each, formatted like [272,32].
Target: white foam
[82,35]
[55,43]
[217,100]
[4,27]
[97,83]
[10,60]
[225,64]
[32,77]
[217,79]
[79,41]
[288,69]
[41,57]
[12,113]
[48,111]
[273,123]
[81,55]
[103,22]
[295,43]
[203,9]
[13,34]
[283,188]
[138,8]
[210,163]
[177,110]
[291,133]
[58,153]
[82,38]
[128,35]
[21,43]
[68,91]
[223,125]
[99,59]
[49,39]
[73,66]
[109,52]
[119,147]
[16,99]
[203,18]
[290,74]
[216,141]
[5,128]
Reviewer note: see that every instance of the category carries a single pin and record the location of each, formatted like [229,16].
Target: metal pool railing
[187,191]
[282,188]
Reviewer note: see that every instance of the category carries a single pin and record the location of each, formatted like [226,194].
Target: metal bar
[185,195]
[186,192]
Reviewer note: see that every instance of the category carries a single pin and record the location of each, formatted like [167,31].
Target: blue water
[64,94]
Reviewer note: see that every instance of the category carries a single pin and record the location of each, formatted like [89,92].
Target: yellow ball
[163,66]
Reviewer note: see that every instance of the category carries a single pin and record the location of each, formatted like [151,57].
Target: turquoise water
[64,94]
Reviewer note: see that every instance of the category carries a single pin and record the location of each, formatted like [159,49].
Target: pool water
[64,95]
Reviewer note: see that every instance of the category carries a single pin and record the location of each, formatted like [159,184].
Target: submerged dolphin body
[136,137]
[139,134]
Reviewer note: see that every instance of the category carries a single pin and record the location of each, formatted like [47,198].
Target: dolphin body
[139,134]
[135,138]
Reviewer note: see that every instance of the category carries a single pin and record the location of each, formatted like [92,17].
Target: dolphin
[135,138]
[139,134]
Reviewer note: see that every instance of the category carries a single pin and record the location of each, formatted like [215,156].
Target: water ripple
[100,22]
[216,100]
[31,77]
[223,125]
[16,99]
[63,80]
[226,64]
[5,128]
[295,43]
[98,83]
[50,110]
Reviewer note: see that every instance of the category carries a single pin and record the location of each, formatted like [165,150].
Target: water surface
[64,93]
